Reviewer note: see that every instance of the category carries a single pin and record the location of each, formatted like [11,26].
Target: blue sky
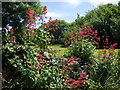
[67,9]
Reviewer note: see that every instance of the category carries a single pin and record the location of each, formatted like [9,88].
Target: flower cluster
[77,83]
[85,33]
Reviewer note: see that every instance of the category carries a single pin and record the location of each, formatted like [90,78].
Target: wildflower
[69,80]
[1,76]
[20,59]
[23,32]
[40,60]
[40,56]
[30,36]
[106,40]
[37,64]
[82,85]
[71,34]
[11,30]
[98,38]
[13,38]
[70,60]
[99,54]
[63,72]
[76,82]
[84,74]
[38,68]
[104,51]
[65,43]
[80,32]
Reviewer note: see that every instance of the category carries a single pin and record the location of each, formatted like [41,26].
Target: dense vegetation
[58,54]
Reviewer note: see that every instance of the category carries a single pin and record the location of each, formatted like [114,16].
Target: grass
[60,51]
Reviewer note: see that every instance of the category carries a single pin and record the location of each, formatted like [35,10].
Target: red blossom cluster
[30,17]
[84,33]
[44,10]
[77,83]
[37,64]
[11,30]
[51,25]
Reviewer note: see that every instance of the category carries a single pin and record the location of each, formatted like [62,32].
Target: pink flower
[37,64]
[106,40]
[30,36]
[76,82]
[39,68]
[13,38]
[98,38]
[82,85]
[84,73]
[69,80]
[40,56]
[11,30]
[80,32]
[70,60]
[40,60]
[1,76]
[71,34]
[65,43]
[23,32]
[20,59]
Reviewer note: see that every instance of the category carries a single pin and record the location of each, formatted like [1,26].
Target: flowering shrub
[38,70]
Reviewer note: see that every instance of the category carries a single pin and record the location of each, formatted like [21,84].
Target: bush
[82,50]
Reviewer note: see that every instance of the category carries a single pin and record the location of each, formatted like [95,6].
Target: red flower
[69,80]
[1,76]
[80,32]
[50,18]
[13,38]
[70,60]
[40,56]
[37,64]
[38,68]
[99,54]
[98,38]
[84,73]
[11,30]
[71,34]
[65,66]
[82,85]
[106,40]
[76,82]
[65,43]
[40,60]
[28,63]
[20,59]
[63,72]
[29,9]
[30,36]
[23,32]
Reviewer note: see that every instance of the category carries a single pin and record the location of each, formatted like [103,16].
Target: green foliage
[106,20]
[106,69]
[14,14]
[82,50]
[57,30]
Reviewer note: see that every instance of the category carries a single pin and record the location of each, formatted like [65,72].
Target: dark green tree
[106,19]
[14,14]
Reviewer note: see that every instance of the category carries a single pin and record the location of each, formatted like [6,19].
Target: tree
[57,28]
[14,14]
[106,20]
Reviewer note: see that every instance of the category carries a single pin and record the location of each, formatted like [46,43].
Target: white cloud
[54,14]
[73,3]
[98,2]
